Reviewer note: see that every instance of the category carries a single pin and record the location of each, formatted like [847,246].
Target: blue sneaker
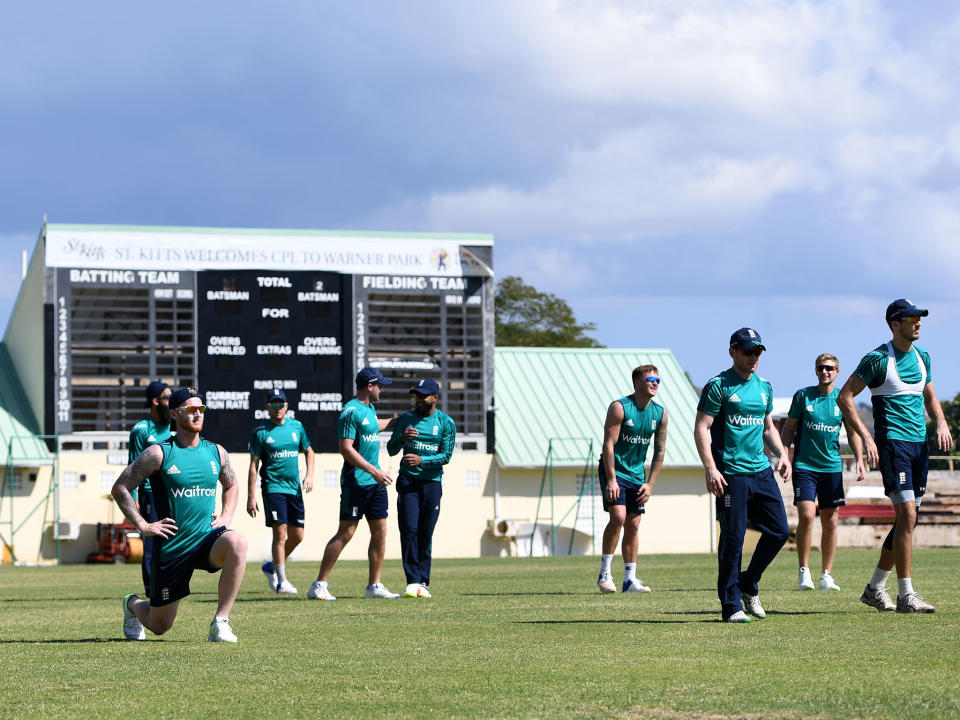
[267,569]
[635,586]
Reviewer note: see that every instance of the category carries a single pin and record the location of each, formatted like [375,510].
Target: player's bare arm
[252,506]
[132,477]
[659,450]
[856,445]
[935,410]
[231,491]
[308,476]
[611,431]
[789,432]
[350,454]
[701,435]
[771,439]
[848,406]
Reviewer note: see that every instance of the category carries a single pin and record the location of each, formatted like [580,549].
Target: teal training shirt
[897,389]
[740,408]
[818,430]
[142,435]
[185,489]
[358,422]
[279,448]
[636,434]
[436,436]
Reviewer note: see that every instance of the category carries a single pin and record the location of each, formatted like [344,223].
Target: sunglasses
[752,352]
[164,398]
[276,404]
[194,409]
[652,379]
[912,319]
[825,368]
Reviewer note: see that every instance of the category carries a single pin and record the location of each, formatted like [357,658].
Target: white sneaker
[424,593]
[267,569]
[132,628]
[635,586]
[804,580]
[606,584]
[379,592]
[738,617]
[412,590]
[751,604]
[286,588]
[319,592]
[220,631]
[827,583]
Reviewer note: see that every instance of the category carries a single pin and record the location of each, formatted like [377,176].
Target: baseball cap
[746,338]
[372,375]
[180,396]
[427,386]
[902,308]
[276,394]
[155,390]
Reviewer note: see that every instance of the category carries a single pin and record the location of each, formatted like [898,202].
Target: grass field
[501,638]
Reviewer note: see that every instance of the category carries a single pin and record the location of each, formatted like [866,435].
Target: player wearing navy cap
[814,422]
[901,384]
[427,436]
[732,428]
[631,424]
[185,470]
[363,486]
[277,444]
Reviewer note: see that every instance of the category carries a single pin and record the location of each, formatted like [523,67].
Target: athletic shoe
[267,569]
[424,592]
[379,592]
[412,590]
[606,584]
[804,581]
[751,604]
[286,588]
[132,628]
[319,592]
[635,586]
[827,583]
[913,603]
[878,599]
[220,631]
[738,617]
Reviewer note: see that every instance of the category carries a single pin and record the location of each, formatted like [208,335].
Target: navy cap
[427,386]
[372,375]
[746,338]
[276,394]
[180,396]
[904,308]
[155,390]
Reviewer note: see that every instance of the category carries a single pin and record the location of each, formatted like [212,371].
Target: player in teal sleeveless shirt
[185,470]
[632,423]
[900,381]
[277,444]
[363,486]
[814,422]
[149,431]
[733,427]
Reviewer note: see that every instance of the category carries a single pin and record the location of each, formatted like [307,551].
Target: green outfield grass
[501,638]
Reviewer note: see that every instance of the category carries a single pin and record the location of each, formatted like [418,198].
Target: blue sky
[675,170]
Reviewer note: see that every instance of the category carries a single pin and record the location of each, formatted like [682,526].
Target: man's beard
[164,412]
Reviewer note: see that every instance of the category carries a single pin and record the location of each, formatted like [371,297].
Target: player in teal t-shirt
[814,422]
[632,423]
[185,470]
[899,377]
[732,428]
[427,436]
[363,486]
[278,443]
[149,431]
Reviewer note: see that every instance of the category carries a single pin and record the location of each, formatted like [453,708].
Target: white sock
[281,571]
[904,586]
[629,572]
[605,561]
[879,579]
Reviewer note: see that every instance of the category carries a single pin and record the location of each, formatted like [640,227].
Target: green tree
[527,317]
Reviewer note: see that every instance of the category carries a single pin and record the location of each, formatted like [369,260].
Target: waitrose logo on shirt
[194,491]
[744,420]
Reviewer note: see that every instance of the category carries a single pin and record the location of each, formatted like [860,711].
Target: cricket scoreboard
[237,313]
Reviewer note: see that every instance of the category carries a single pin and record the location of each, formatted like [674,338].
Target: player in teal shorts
[900,381]
[184,471]
[632,423]
[814,422]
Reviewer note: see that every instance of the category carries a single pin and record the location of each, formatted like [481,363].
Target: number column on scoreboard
[259,330]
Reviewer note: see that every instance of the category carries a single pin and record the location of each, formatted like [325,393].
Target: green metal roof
[544,393]
[18,426]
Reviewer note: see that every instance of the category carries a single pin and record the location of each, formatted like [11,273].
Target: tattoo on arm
[228,478]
